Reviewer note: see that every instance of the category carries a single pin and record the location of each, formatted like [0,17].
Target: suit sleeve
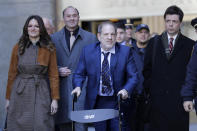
[12,71]
[188,88]
[132,76]
[80,73]
[147,70]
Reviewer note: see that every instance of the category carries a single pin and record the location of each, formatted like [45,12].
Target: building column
[155,23]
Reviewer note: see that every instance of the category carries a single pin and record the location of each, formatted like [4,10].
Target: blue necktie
[106,84]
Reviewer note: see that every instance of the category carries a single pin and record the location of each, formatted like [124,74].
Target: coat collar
[62,39]
[114,57]
[177,47]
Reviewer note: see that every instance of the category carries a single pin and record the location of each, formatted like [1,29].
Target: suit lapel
[165,48]
[79,37]
[97,59]
[178,46]
[63,42]
[113,60]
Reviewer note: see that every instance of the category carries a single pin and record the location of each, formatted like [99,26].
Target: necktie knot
[171,39]
[105,55]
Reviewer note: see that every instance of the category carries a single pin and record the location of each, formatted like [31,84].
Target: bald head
[72,8]
[48,25]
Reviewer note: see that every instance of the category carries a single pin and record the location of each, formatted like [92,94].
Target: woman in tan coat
[31,101]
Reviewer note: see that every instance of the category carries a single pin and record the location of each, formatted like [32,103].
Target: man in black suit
[164,72]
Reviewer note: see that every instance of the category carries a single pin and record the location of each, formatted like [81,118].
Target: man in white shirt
[110,70]
[166,58]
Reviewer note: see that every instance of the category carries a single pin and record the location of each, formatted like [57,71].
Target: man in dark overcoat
[164,72]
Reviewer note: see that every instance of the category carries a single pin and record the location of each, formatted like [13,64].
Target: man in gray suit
[69,42]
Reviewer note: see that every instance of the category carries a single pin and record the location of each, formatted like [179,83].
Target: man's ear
[99,36]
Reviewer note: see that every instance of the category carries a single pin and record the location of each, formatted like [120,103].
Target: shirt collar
[30,43]
[174,37]
[112,50]
[75,32]
[123,43]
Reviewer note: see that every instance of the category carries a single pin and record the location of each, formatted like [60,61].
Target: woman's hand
[54,106]
[7,105]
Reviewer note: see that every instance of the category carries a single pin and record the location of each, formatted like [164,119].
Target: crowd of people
[154,76]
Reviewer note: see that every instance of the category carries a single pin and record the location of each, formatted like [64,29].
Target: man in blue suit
[111,71]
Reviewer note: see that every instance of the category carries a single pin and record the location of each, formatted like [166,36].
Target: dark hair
[69,7]
[174,10]
[45,40]
[120,25]
[105,23]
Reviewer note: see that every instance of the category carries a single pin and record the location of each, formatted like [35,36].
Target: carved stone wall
[107,9]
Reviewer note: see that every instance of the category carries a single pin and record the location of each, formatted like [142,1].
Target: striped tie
[171,45]
[106,86]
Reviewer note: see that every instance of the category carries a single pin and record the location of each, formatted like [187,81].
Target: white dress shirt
[111,51]
[174,39]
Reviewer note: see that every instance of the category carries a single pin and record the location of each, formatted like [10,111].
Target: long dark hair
[45,40]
